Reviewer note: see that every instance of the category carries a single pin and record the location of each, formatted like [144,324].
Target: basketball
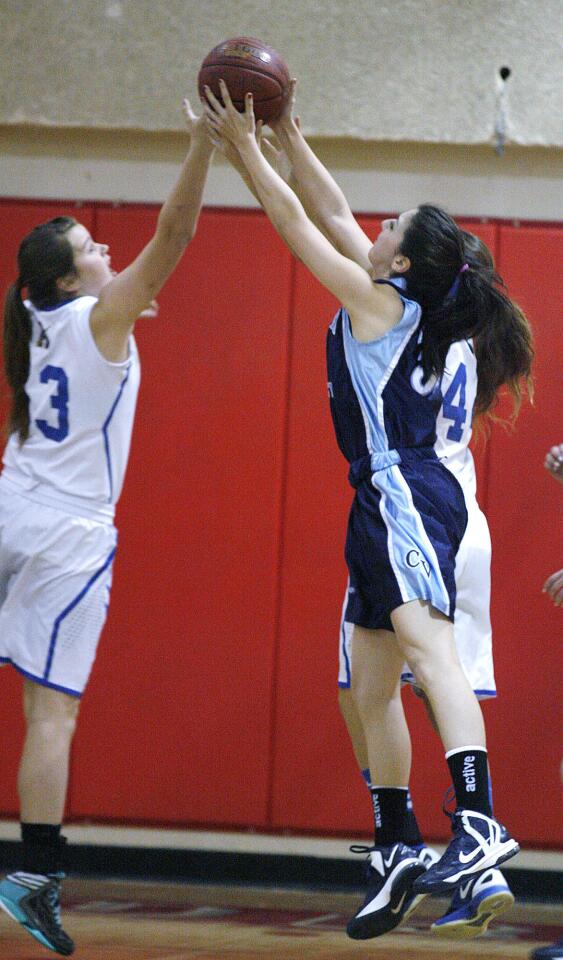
[247,66]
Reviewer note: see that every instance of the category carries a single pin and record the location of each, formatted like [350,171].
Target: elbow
[174,234]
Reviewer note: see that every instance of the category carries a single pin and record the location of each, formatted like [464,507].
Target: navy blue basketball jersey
[408,515]
[378,401]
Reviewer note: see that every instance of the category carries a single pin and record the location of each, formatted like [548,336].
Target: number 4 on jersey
[453,405]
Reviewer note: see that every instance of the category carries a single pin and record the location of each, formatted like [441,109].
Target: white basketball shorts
[55,580]
[472,623]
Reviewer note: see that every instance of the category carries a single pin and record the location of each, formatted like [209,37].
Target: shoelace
[360,848]
[53,897]
[449,798]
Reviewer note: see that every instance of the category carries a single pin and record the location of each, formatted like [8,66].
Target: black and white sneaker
[391,872]
[479,843]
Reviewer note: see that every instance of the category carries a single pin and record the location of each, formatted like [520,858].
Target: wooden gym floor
[119,920]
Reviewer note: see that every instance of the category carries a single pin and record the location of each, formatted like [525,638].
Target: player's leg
[477,902]
[57,607]
[427,640]
[392,864]
[31,894]
[43,773]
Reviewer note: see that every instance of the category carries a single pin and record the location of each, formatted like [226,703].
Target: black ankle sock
[42,847]
[391,815]
[412,836]
[470,775]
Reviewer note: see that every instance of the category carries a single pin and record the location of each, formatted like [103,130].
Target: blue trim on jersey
[40,680]
[408,677]
[105,431]
[405,536]
[57,306]
[371,365]
[71,607]
[345,653]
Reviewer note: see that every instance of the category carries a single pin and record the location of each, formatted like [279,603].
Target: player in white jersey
[408,513]
[73,370]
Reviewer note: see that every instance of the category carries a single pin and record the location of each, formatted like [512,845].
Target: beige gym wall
[401,99]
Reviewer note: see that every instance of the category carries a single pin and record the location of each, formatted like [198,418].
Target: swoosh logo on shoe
[400,903]
[464,890]
[466,857]
[391,858]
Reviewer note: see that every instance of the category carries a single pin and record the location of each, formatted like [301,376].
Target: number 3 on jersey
[59,402]
[453,405]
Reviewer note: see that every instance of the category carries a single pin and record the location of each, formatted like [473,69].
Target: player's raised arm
[322,198]
[349,282]
[128,294]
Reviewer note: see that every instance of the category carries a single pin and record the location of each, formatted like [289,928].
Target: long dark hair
[462,296]
[44,256]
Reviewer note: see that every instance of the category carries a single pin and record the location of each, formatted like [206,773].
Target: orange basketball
[247,66]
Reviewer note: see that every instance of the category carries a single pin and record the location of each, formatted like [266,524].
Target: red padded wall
[524,508]
[18,218]
[176,722]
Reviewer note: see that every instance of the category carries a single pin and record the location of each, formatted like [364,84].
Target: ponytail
[17,337]
[462,297]
[44,256]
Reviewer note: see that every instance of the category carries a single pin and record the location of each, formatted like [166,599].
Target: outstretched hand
[224,120]
[553,586]
[197,126]
[286,115]
[554,462]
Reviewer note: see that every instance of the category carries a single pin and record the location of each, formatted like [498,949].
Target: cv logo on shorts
[415,559]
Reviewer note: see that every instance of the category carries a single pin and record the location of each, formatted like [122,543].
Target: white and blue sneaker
[34,901]
[475,903]
[479,843]
[391,871]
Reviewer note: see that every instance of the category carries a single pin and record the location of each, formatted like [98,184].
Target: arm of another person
[554,462]
[321,196]
[128,294]
[373,309]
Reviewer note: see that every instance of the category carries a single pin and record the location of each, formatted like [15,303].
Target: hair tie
[452,292]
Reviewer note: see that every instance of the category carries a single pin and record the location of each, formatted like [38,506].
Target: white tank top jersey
[454,423]
[81,411]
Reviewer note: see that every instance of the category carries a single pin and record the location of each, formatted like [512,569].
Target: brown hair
[462,296]
[44,256]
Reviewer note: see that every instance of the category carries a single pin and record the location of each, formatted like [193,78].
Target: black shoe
[391,872]
[480,843]
[34,901]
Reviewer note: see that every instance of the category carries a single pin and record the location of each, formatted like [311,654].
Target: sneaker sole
[504,852]
[382,921]
[414,905]
[469,927]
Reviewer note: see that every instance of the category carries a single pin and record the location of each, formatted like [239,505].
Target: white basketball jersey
[454,423]
[81,411]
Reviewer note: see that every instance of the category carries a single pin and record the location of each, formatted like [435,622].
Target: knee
[373,693]
[54,713]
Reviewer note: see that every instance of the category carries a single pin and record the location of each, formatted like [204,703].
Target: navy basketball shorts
[404,530]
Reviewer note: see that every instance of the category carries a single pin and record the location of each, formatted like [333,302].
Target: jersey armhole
[86,334]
